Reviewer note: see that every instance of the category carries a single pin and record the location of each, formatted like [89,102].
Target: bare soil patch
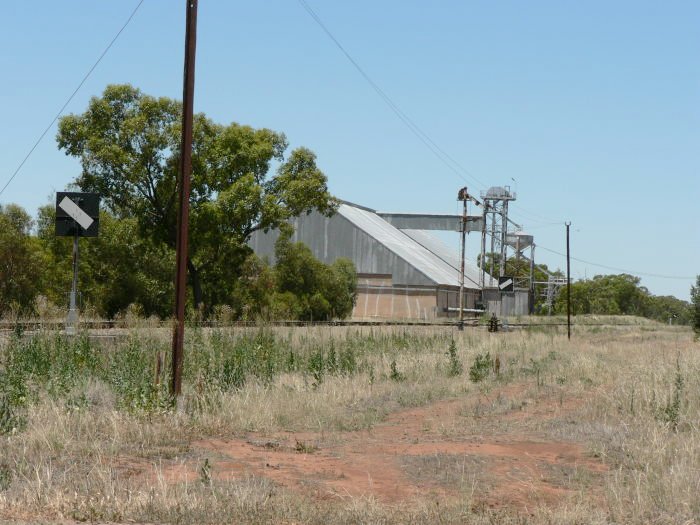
[442,450]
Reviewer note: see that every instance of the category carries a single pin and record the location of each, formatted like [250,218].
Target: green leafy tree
[128,145]
[21,260]
[118,268]
[667,307]
[580,299]
[607,295]
[695,301]
[341,287]
[309,289]
[254,291]
[622,295]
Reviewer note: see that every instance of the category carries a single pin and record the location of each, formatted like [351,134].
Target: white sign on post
[506,284]
[76,213]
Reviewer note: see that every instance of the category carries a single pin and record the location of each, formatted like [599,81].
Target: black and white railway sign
[77,214]
[505,284]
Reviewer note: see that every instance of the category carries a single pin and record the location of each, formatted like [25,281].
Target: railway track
[93,325]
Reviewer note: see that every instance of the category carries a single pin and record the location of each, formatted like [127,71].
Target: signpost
[77,215]
[506,284]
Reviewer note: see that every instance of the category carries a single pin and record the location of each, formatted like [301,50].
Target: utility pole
[568,284]
[532,279]
[184,197]
[483,248]
[462,195]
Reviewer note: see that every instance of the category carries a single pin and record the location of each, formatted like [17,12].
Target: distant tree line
[623,295]
[605,294]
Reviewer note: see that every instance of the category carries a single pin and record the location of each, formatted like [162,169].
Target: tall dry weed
[96,417]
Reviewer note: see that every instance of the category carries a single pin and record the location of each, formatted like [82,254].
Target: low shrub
[481,368]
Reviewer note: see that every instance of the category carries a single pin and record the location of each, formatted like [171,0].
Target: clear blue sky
[591,107]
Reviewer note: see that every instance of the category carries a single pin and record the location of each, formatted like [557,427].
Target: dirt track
[437,450]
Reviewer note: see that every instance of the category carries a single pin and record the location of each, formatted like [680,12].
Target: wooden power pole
[184,197]
[568,284]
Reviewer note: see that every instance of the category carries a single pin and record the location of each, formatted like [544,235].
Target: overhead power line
[442,155]
[545,225]
[532,215]
[449,161]
[631,272]
[70,98]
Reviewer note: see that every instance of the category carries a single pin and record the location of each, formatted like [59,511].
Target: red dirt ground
[439,450]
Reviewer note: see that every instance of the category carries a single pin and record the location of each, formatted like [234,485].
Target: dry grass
[615,386]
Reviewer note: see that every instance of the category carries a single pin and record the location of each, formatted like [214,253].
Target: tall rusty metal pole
[568,284]
[463,196]
[184,197]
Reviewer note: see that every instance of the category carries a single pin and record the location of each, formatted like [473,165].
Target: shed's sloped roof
[417,255]
[434,244]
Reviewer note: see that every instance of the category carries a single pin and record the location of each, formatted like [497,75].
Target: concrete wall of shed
[448,300]
[378,298]
[395,303]
[505,304]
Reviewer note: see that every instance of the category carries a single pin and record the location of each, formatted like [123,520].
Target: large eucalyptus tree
[128,145]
